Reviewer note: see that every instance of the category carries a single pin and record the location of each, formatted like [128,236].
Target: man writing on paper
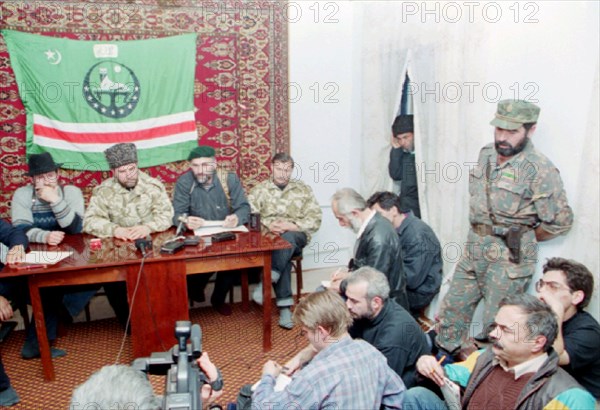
[204,193]
[333,371]
[129,206]
[518,371]
[377,244]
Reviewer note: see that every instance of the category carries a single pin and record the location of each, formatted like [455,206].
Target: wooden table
[161,295]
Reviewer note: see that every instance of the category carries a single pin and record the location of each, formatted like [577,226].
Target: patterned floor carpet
[234,344]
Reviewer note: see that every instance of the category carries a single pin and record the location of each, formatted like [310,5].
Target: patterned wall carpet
[233,343]
[240,87]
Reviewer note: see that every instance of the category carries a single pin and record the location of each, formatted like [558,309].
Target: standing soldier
[516,199]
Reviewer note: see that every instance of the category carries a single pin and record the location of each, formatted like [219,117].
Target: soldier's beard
[510,151]
[204,178]
[128,183]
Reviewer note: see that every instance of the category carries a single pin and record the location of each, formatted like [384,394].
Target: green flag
[81,97]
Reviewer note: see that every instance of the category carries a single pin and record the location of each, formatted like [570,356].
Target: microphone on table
[183,218]
[142,244]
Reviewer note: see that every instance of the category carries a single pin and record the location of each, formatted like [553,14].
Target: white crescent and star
[53,57]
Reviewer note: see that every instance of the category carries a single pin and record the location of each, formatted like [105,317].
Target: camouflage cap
[121,154]
[512,114]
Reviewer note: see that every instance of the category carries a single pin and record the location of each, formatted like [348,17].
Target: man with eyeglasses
[207,193]
[567,287]
[517,199]
[519,370]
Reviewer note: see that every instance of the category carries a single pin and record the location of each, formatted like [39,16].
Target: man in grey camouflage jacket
[516,200]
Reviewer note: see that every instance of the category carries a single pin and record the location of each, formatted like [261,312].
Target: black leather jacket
[379,248]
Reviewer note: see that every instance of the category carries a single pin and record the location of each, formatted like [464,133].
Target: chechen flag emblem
[81,97]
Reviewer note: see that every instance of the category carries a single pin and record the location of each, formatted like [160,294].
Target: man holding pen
[377,243]
[334,371]
[208,193]
[519,370]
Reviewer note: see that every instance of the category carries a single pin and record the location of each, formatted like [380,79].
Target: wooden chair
[297,267]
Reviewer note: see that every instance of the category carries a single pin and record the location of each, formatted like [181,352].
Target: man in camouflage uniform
[287,208]
[129,206]
[516,199]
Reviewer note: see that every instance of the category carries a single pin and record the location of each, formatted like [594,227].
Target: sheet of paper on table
[46,257]
[213,227]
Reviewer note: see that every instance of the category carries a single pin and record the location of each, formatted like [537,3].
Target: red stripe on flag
[114,137]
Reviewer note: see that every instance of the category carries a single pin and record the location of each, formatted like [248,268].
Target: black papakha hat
[403,124]
[41,163]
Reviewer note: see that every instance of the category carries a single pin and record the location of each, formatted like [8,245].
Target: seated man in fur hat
[129,206]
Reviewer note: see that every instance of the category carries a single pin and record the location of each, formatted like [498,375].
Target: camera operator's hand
[208,367]
[207,392]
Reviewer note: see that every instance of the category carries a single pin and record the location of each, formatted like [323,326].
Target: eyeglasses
[552,286]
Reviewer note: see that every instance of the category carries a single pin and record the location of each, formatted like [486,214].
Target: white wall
[324,138]
[558,53]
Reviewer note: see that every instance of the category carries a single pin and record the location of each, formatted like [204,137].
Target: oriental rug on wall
[240,85]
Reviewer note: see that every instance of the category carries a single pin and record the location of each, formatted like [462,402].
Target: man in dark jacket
[377,243]
[205,193]
[421,250]
[519,371]
[402,166]
[384,323]
[16,242]
[567,287]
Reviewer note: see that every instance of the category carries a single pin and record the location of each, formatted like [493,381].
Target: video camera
[184,377]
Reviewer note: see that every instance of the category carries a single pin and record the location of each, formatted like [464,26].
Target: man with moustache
[383,323]
[287,208]
[519,371]
[47,211]
[377,244]
[129,206]
[516,200]
[333,372]
[203,194]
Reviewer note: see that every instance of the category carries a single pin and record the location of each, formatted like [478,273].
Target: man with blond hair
[342,373]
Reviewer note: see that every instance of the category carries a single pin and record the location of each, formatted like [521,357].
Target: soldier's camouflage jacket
[112,206]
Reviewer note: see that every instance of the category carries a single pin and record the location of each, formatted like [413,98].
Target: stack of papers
[213,227]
